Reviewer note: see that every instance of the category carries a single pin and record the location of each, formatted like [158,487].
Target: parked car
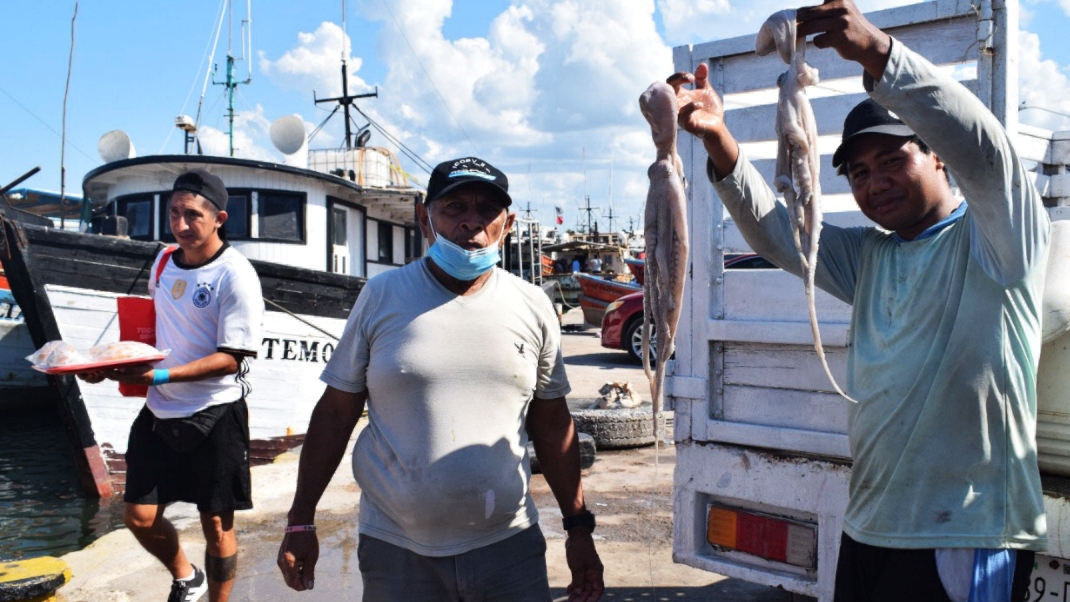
[622,324]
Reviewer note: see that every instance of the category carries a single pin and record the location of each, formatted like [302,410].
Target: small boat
[593,309]
[547,265]
[637,267]
[604,289]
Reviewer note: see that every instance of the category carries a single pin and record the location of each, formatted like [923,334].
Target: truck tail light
[771,538]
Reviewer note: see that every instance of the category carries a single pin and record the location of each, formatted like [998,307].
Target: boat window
[386,242]
[413,246]
[237,215]
[338,226]
[281,216]
[138,213]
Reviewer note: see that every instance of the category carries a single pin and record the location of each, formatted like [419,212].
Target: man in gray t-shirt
[459,365]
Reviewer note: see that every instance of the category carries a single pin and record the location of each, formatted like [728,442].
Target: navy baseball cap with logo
[469,171]
[205,184]
[868,117]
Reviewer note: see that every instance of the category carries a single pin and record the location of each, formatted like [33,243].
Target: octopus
[798,159]
[665,229]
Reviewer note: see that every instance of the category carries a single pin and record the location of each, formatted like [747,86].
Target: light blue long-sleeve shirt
[945,332]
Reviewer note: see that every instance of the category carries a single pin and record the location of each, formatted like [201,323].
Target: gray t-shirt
[442,464]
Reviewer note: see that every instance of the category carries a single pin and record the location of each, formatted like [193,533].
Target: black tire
[633,341]
[621,428]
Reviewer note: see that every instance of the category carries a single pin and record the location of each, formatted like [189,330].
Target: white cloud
[251,139]
[549,82]
[548,91]
[313,63]
[688,19]
[466,91]
[600,57]
[1041,84]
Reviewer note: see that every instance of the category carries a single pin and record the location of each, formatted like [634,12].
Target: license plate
[1050,580]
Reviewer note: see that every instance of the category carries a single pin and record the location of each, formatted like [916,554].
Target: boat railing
[369,166]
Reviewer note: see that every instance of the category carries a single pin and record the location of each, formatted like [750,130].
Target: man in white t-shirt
[459,364]
[191,441]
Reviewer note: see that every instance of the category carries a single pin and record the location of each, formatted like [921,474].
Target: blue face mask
[461,263]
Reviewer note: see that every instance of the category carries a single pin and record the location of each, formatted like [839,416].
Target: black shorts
[214,475]
[866,573]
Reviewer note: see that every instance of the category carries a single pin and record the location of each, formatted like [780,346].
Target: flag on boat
[560,214]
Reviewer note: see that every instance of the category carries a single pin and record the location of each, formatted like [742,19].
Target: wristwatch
[583,519]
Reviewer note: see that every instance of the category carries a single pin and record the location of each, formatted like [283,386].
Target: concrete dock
[633,502]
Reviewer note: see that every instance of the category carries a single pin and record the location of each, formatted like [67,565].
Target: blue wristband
[160,377]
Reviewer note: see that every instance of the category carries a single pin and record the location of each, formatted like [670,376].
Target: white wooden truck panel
[750,479]
[776,295]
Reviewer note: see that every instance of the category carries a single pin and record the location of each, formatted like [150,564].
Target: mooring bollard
[32,580]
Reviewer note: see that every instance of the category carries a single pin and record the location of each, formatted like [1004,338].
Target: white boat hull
[284,378]
[15,345]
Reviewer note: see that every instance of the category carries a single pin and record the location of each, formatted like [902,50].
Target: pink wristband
[300,528]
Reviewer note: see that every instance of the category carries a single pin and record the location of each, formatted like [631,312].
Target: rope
[298,318]
[562,291]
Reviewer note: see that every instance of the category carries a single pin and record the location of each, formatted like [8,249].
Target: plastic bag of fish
[61,354]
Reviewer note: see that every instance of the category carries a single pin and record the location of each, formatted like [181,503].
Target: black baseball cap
[868,117]
[205,184]
[469,171]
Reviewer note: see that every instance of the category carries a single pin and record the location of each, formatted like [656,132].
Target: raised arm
[1005,206]
[702,115]
[838,24]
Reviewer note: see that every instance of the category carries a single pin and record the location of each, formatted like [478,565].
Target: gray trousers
[512,570]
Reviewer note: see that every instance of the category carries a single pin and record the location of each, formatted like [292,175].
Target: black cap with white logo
[868,117]
[469,171]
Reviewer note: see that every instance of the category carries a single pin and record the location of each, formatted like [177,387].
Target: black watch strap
[583,519]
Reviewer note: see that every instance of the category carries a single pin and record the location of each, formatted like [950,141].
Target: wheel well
[636,317]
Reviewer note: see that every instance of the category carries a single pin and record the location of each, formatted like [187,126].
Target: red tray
[75,368]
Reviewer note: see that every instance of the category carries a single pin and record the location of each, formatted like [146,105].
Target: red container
[137,322]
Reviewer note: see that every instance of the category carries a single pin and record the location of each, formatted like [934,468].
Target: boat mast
[231,83]
[346,99]
[587,207]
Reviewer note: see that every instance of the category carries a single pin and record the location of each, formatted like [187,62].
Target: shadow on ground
[609,360]
[728,590]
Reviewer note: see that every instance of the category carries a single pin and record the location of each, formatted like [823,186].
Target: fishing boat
[313,237]
[15,344]
[314,227]
[598,292]
[605,288]
[637,267]
[593,309]
[17,378]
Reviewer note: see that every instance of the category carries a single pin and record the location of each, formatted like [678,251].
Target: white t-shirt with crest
[214,307]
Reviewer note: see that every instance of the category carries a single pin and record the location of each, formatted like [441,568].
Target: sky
[546,90]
